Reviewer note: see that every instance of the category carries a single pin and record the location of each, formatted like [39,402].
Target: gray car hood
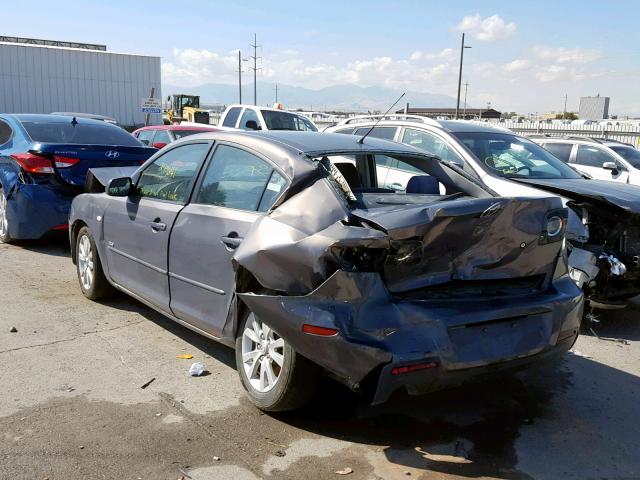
[621,195]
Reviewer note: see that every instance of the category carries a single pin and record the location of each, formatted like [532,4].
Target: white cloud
[291,51]
[566,55]
[486,29]
[517,65]
[195,67]
[445,54]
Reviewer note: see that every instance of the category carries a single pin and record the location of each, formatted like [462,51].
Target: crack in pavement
[63,340]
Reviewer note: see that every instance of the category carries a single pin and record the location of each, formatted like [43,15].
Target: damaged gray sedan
[284,246]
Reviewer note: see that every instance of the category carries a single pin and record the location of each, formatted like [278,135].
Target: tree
[566,116]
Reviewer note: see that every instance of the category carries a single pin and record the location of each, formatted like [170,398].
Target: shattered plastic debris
[196,369]
[148,383]
[617,267]
[185,356]
[344,471]
[579,354]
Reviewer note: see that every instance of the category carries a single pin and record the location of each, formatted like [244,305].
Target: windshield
[287,121]
[510,156]
[80,133]
[630,154]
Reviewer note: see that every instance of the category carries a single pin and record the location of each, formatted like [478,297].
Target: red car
[160,135]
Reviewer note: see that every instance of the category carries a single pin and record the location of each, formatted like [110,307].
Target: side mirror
[610,166]
[119,187]
[159,145]
[252,125]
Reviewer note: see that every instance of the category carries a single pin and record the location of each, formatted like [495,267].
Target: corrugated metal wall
[36,79]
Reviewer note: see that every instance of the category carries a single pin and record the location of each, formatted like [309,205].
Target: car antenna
[380,119]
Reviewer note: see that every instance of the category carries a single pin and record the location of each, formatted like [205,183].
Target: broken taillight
[41,163]
[32,163]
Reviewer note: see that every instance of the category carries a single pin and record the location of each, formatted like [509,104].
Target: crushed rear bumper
[464,337]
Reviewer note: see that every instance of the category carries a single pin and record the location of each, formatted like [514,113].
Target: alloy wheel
[262,354]
[85,262]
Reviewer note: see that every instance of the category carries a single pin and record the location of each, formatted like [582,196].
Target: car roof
[258,107]
[291,151]
[49,118]
[95,116]
[204,128]
[451,126]
[309,143]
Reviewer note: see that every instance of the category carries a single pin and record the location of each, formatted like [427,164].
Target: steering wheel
[528,169]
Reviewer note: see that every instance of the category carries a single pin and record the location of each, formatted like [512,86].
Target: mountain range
[337,97]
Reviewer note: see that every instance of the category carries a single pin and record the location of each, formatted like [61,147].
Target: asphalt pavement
[73,406]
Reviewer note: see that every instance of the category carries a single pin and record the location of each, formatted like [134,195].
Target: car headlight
[555,224]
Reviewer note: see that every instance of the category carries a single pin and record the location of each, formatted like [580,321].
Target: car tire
[4,221]
[296,378]
[93,283]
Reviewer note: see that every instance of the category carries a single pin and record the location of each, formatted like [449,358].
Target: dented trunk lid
[468,242]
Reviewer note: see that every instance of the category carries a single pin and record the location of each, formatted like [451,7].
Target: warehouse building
[45,76]
[594,108]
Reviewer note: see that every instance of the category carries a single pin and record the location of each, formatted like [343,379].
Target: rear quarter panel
[88,209]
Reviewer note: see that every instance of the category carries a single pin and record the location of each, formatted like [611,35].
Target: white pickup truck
[251,117]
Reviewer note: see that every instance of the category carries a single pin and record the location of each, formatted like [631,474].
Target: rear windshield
[287,121]
[80,133]
[630,154]
[185,133]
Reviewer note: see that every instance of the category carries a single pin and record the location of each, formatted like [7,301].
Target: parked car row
[411,264]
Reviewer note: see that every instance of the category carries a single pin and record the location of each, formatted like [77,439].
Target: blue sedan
[44,161]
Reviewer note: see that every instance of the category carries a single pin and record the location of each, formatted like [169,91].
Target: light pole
[462,47]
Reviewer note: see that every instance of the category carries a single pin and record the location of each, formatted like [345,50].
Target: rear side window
[238,179]
[560,150]
[5,132]
[98,133]
[162,136]
[145,136]
[231,117]
[386,133]
[249,115]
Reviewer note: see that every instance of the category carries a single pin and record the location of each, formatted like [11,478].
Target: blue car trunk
[72,162]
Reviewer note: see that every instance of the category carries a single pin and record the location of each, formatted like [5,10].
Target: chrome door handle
[158,226]
[232,242]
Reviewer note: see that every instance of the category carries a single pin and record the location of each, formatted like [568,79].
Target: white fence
[627,133]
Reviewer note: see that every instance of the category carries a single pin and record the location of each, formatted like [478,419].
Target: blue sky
[525,55]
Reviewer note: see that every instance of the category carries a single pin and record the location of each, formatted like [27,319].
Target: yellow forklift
[185,108]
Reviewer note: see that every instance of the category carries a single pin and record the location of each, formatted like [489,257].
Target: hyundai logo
[492,210]
[112,154]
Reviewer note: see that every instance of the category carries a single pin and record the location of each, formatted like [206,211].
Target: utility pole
[466,87]
[564,112]
[255,69]
[462,47]
[239,77]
